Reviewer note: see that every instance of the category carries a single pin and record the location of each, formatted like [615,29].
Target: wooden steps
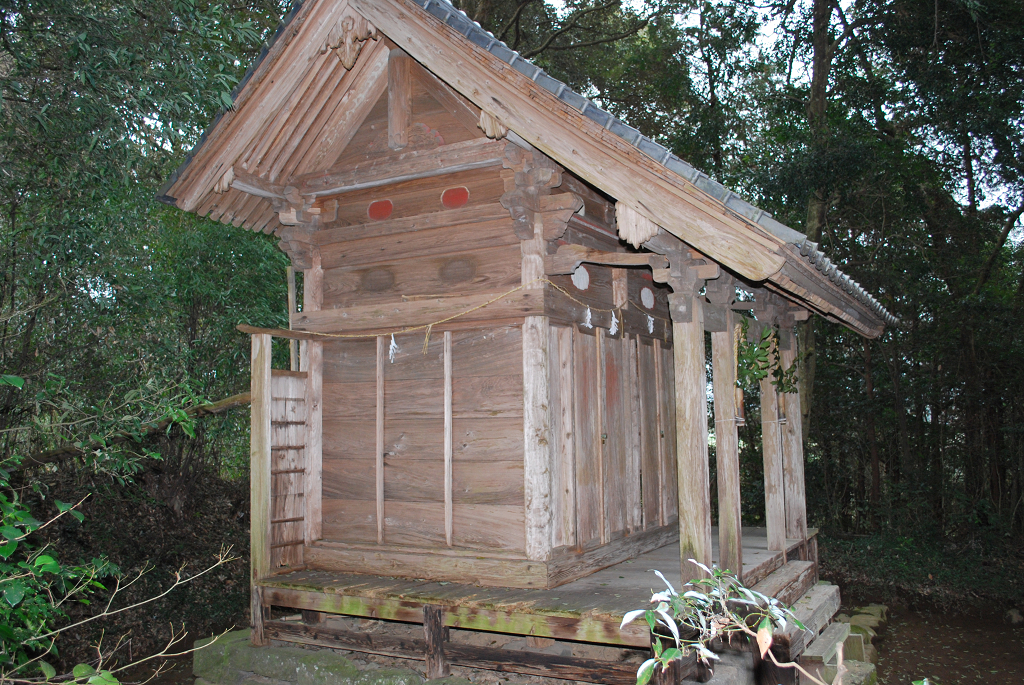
[821,655]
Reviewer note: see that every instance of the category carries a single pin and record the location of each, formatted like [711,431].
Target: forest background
[890,131]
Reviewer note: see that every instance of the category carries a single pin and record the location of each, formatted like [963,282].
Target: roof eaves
[460,21]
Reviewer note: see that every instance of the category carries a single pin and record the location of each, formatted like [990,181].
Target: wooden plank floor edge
[581,628]
[489,658]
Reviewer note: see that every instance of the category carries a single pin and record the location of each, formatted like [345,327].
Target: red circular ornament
[453,198]
[380,210]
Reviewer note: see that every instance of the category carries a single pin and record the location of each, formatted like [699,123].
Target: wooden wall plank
[312,362]
[650,463]
[667,418]
[420,480]
[587,438]
[259,458]
[442,241]
[563,481]
[793,447]
[614,441]
[448,437]
[730,533]
[379,455]
[492,269]
[632,482]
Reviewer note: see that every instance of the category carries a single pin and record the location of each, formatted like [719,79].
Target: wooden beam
[409,166]
[691,435]
[259,459]
[312,362]
[399,99]
[568,257]
[771,444]
[792,447]
[462,109]
[730,530]
[572,139]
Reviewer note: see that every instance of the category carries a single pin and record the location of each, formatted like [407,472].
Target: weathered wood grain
[792,447]
[692,437]
[587,438]
[259,458]
[312,363]
[563,474]
[771,444]
[730,534]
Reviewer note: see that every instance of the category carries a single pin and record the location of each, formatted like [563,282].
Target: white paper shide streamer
[392,349]
[650,324]
[586,320]
[615,325]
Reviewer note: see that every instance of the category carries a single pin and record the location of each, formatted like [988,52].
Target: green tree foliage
[113,309]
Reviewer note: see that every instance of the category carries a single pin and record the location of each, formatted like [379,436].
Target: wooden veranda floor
[588,610]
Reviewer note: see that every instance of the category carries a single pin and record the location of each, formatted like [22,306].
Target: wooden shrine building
[506,291]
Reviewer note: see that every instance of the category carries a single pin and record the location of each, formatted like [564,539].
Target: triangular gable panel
[435,116]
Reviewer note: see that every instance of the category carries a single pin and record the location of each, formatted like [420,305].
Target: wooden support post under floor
[723,361]
[436,634]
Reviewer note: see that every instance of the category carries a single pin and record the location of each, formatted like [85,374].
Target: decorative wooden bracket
[491,127]
[529,177]
[568,257]
[686,274]
[720,293]
[347,37]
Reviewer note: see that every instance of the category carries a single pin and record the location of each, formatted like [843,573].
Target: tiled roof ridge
[460,21]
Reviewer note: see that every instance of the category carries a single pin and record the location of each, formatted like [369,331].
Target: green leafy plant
[759,359]
[718,606]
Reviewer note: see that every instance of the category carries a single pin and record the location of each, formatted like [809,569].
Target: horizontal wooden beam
[478,153]
[581,627]
[489,658]
[569,257]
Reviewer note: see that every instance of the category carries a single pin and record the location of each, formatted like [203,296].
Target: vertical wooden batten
[730,533]
[259,474]
[602,436]
[771,443]
[448,437]
[399,99]
[379,456]
[312,362]
[662,423]
[792,446]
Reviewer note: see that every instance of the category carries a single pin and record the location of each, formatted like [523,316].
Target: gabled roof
[292,75]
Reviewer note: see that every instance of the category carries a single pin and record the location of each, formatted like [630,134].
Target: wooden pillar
[691,431]
[792,445]
[312,362]
[771,444]
[537,462]
[293,345]
[259,476]
[730,529]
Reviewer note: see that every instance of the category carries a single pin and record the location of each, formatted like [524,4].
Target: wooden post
[399,99]
[293,345]
[691,432]
[792,446]
[436,634]
[312,362]
[771,444]
[730,530]
[257,636]
[259,476]
[536,419]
